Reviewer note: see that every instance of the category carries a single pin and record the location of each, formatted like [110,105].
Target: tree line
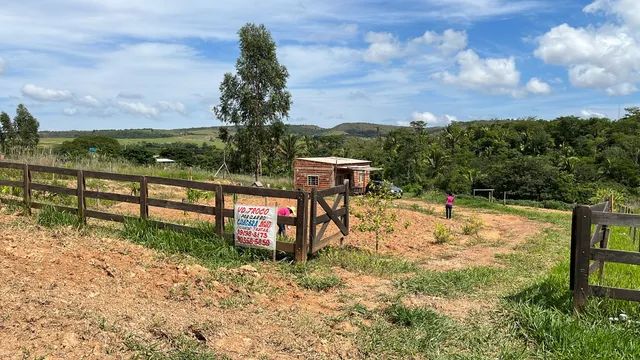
[21,132]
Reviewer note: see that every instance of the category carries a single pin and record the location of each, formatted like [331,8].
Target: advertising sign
[255,226]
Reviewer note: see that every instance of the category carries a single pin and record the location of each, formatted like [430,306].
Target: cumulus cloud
[172,106]
[138,108]
[537,86]
[70,111]
[449,42]
[603,57]
[492,75]
[383,47]
[588,114]
[430,118]
[43,94]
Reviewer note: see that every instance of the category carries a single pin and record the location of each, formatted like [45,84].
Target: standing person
[285,211]
[448,207]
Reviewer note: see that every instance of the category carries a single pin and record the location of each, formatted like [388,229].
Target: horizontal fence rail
[589,251]
[308,238]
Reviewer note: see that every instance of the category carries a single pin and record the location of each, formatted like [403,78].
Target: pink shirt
[450,199]
[284,211]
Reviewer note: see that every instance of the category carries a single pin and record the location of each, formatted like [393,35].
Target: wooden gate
[586,258]
[336,214]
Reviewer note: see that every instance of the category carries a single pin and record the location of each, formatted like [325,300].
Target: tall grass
[201,244]
[124,167]
[51,218]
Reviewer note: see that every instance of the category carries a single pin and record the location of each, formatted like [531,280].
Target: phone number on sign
[246,240]
[255,234]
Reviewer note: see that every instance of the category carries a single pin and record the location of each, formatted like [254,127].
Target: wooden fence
[308,240]
[589,252]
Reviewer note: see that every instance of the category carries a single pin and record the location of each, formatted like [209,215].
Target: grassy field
[376,305]
[195,136]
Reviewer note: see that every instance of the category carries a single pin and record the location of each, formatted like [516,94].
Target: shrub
[472,226]
[442,234]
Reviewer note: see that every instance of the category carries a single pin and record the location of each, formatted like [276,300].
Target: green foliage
[79,147]
[255,97]
[200,243]
[51,218]
[604,194]
[195,196]
[26,128]
[472,225]
[375,212]
[139,154]
[442,234]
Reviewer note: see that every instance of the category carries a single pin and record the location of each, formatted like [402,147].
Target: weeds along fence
[311,225]
[590,230]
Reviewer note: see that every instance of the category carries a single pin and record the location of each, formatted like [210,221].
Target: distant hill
[352,129]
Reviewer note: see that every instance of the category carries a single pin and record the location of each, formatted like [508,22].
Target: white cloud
[383,47]
[70,111]
[491,75]
[88,101]
[537,86]
[431,119]
[606,57]
[327,61]
[588,114]
[44,94]
[172,106]
[449,42]
[138,108]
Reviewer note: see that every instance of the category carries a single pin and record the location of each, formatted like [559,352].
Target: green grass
[364,261]
[321,282]
[201,244]
[450,283]
[52,218]
[174,348]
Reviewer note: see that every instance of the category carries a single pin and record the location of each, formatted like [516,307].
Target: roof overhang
[359,167]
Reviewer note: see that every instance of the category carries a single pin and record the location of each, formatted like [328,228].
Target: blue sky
[131,64]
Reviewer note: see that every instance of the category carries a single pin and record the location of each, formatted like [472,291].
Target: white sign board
[255,226]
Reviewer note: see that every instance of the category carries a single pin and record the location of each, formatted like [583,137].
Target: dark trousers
[282,229]
[448,210]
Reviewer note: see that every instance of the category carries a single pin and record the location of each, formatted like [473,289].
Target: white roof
[164,160]
[335,160]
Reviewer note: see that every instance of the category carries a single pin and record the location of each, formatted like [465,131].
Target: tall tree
[290,149]
[26,128]
[255,97]
[7,132]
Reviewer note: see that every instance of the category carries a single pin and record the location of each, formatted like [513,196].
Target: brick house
[325,172]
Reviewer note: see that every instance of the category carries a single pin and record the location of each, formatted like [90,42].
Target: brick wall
[304,168]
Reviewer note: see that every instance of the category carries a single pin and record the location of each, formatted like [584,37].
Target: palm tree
[290,149]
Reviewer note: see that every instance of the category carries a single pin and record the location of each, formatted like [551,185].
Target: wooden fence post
[219,211]
[80,194]
[313,211]
[26,187]
[345,219]
[301,247]
[581,237]
[144,195]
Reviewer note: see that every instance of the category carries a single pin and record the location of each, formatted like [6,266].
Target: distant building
[325,172]
[160,160]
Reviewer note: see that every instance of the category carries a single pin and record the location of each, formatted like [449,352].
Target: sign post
[256,226]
